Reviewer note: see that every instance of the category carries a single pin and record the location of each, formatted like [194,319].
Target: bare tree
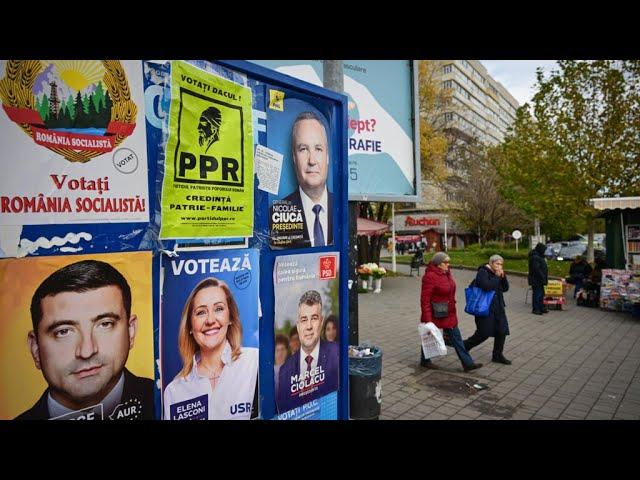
[480,206]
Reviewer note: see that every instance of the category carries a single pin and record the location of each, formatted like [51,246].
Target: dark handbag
[440,309]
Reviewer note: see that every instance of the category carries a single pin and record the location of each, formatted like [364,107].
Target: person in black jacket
[538,277]
[491,277]
[83,330]
[578,272]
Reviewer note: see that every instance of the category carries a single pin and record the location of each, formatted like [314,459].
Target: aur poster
[208,180]
[76,337]
[306,366]
[73,142]
[209,335]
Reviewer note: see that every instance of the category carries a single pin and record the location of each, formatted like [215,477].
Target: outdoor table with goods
[620,290]
[555,294]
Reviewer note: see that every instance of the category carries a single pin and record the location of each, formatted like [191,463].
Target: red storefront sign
[421,221]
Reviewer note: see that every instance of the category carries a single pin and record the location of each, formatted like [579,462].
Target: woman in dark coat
[491,277]
[438,286]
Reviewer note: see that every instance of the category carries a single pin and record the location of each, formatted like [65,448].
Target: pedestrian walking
[491,278]
[438,305]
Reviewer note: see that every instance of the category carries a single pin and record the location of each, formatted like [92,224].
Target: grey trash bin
[365,383]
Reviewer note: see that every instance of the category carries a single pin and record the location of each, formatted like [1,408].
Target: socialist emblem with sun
[79,109]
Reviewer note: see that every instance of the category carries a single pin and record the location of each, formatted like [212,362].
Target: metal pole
[446,242]
[333,79]
[393,237]
[516,244]
[624,240]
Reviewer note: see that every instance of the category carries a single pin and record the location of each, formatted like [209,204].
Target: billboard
[383,139]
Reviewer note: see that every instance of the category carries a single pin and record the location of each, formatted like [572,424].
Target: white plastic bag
[432,340]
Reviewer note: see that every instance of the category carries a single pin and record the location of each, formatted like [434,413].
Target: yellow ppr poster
[208,181]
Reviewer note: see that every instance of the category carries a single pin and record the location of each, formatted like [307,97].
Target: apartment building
[482,109]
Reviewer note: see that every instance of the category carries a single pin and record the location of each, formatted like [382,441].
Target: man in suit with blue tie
[310,150]
[312,371]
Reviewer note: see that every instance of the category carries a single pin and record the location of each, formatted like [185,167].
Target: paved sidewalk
[581,363]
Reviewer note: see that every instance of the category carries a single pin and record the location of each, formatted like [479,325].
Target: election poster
[306,318]
[207,188]
[209,335]
[301,207]
[381,124]
[73,142]
[76,337]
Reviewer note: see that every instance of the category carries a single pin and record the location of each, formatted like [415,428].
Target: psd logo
[327,267]
[210,147]
[79,109]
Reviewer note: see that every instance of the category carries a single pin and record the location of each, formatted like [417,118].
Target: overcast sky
[517,76]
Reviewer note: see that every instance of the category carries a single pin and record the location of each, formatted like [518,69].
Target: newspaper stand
[555,294]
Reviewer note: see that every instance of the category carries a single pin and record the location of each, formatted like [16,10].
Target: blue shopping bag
[478,301]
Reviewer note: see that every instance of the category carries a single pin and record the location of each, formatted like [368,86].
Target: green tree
[79,119]
[92,115]
[104,115]
[98,98]
[63,117]
[578,140]
[43,108]
[85,103]
[71,108]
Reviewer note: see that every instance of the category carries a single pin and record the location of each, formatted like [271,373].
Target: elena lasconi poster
[209,335]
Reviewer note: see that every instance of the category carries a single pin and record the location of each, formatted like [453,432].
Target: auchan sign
[421,221]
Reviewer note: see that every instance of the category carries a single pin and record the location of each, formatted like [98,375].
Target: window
[452,197]
[447,84]
[446,69]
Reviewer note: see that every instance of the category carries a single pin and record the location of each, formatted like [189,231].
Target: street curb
[473,269]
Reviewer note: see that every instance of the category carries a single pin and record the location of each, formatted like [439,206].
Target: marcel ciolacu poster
[306,377]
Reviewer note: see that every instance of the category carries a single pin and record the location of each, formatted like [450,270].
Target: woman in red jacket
[439,288]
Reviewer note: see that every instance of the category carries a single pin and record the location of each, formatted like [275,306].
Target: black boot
[498,347]
[501,359]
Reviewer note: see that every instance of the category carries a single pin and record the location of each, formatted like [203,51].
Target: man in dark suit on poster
[312,371]
[310,149]
[83,330]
